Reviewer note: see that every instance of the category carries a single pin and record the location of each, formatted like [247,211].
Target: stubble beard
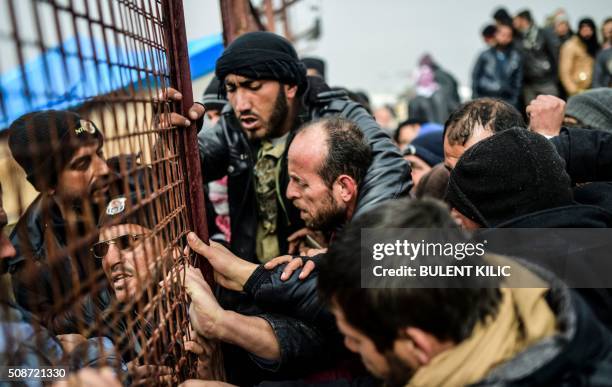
[274,127]
[329,217]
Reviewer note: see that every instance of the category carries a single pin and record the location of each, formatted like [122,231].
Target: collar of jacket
[52,219]
[580,342]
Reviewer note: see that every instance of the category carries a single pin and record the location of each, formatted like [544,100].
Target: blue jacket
[498,74]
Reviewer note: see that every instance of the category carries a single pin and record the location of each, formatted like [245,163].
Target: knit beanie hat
[428,147]
[43,143]
[263,55]
[214,97]
[512,173]
[592,108]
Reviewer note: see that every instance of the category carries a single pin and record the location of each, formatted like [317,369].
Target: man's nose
[112,257]
[242,101]
[292,193]
[101,167]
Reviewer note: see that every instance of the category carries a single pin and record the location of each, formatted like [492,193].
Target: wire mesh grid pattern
[107,61]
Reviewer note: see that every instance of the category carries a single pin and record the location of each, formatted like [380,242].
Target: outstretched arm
[253,334]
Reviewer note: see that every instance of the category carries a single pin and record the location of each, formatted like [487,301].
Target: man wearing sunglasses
[132,256]
[127,250]
[25,343]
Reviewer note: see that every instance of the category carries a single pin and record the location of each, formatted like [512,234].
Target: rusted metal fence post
[238,17]
[180,78]
[180,75]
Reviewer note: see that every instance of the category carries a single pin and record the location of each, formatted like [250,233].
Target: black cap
[512,173]
[263,55]
[316,64]
[428,147]
[43,142]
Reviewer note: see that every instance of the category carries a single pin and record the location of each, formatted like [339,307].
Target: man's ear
[422,344]
[290,91]
[347,187]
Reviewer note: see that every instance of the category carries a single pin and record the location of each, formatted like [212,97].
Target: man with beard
[129,250]
[269,98]
[61,154]
[324,185]
[25,343]
[498,72]
[327,162]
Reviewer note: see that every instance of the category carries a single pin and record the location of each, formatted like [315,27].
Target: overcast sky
[373,45]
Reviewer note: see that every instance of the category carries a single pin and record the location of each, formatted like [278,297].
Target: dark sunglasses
[123,242]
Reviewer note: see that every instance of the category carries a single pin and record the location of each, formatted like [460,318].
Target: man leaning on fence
[26,343]
[61,154]
[269,97]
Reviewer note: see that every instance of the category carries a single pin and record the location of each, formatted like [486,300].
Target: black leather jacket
[539,64]
[309,340]
[225,150]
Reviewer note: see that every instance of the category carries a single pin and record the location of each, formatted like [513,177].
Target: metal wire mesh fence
[99,191]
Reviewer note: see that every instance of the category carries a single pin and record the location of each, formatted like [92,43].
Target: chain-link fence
[99,192]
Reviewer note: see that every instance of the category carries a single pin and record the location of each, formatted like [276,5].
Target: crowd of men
[307,168]
[524,60]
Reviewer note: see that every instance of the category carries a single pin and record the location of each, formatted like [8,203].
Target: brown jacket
[575,66]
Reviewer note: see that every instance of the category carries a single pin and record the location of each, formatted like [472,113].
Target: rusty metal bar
[269,12]
[238,17]
[180,74]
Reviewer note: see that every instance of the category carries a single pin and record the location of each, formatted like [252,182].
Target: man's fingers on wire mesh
[194,347]
[196,111]
[169,93]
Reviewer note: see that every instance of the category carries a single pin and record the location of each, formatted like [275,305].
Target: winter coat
[323,359]
[41,232]
[575,66]
[588,159]
[498,74]
[539,64]
[579,354]
[602,73]
[553,253]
